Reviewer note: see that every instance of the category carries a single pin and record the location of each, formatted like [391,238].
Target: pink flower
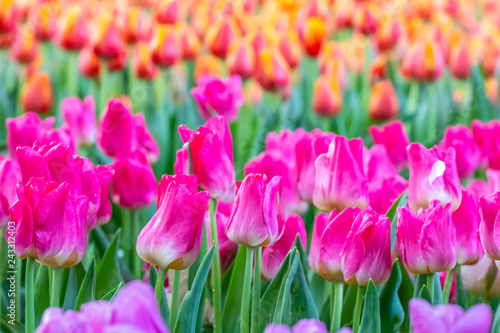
[476,278]
[466,221]
[227,248]
[320,223]
[449,318]
[104,175]
[25,130]
[393,137]
[116,130]
[217,96]
[257,217]
[488,139]
[144,139]
[333,241]
[9,173]
[433,175]
[172,237]
[489,208]
[307,149]
[134,183]
[274,254]
[478,187]
[58,135]
[80,118]
[309,326]
[426,239]
[468,154]
[340,181]
[211,148]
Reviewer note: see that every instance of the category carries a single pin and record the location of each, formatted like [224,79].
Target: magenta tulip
[321,221]
[468,154]
[257,217]
[171,239]
[340,181]
[134,183]
[393,137]
[433,175]
[25,130]
[427,239]
[310,326]
[145,140]
[104,175]
[489,209]
[116,130]
[80,118]
[478,187]
[211,148]
[217,96]
[487,137]
[227,248]
[274,254]
[9,173]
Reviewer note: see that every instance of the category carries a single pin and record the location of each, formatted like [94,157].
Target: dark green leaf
[318,286]
[232,306]
[393,216]
[42,292]
[87,289]
[425,294]
[496,321]
[405,293]
[7,326]
[76,274]
[108,272]
[370,320]
[390,306]
[111,294]
[349,303]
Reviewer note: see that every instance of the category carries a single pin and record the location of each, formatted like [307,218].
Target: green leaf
[303,256]
[496,321]
[349,303]
[42,292]
[153,275]
[438,291]
[393,216]
[318,286]
[7,327]
[111,294]
[405,293]
[370,320]
[461,292]
[87,289]
[390,306]
[76,274]
[188,312]
[108,271]
[425,294]
[232,306]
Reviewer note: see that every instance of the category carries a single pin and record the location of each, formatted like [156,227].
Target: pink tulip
[332,244]
[466,221]
[487,137]
[257,217]
[227,248]
[172,237]
[449,318]
[433,175]
[274,254]
[320,223]
[393,137]
[144,138]
[134,183]
[80,118]
[25,130]
[310,326]
[9,173]
[476,278]
[377,164]
[493,177]
[367,250]
[285,142]
[211,148]
[426,239]
[478,187]
[217,96]
[468,154]
[489,208]
[340,181]
[307,149]
[58,135]
[104,175]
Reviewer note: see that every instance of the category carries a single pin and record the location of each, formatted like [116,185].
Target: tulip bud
[365,18]
[25,130]
[108,41]
[134,183]
[321,221]
[271,70]
[313,33]
[327,96]
[142,62]
[165,46]
[24,48]
[426,239]
[172,238]
[79,117]
[220,35]
[104,175]
[433,175]
[144,140]
[487,138]
[257,217]
[9,172]
[489,207]
[36,94]
[219,96]
[466,221]
[490,60]
[388,34]
[115,132]
[9,15]
[88,63]
[118,63]
[134,24]
[274,254]
[460,61]
[190,43]
[240,59]
[344,13]
[468,154]
[71,31]
[290,48]
[333,241]
[166,11]
[393,137]
[43,19]
[378,69]
[475,278]
[332,191]
[425,62]
[383,104]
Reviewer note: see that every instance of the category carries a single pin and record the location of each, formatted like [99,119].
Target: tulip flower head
[383,103]
[321,221]
[25,130]
[36,94]
[9,173]
[79,117]
[468,154]
[327,96]
[393,136]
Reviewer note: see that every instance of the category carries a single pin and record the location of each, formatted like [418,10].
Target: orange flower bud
[337,68]
[43,19]
[327,96]
[220,35]
[271,70]
[207,64]
[383,102]
[142,63]
[460,61]
[166,11]
[344,13]
[9,14]
[290,48]
[388,34]
[490,59]
[134,24]
[88,63]
[491,86]
[36,94]
[330,50]
[240,59]
[377,69]
[118,63]
[424,62]
[71,33]
[165,46]
[313,33]
[24,46]
[365,19]
[190,42]
[108,41]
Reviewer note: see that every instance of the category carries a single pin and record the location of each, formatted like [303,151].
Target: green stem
[105,80]
[19,278]
[430,285]
[357,309]
[30,295]
[256,290]
[159,286]
[56,286]
[136,260]
[175,298]
[338,295]
[247,290]
[72,74]
[216,274]
[126,236]
[447,285]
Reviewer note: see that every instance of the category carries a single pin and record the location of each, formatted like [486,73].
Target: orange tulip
[383,102]
[271,70]
[491,87]
[313,33]
[88,63]
[108,41]
[165,46]
[36,94]
[290,48]
[327,96]
[134,24]
[166,11]
[190,42]
[344,13]
[207,64]
[9,14]
[43,19]
[490,59]
[71,33]
[24,47]
[377,69]
[424,62]
[365,19]
[460,61]
[219,37]
[240,59]
[142,62]
[388,34]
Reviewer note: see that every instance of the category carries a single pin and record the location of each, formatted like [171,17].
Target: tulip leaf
[349,303]
[393,216]
[42,292]
[370,320]
[203,250]
[405,293]
[111,294]
[425,294]
[188,312]
[438,291]
[108,271]
[303,256]
[461,292]
[496,321]
[318,286]
[390,306]
[153,275]
[6,327]
[88,287]
[76,274]
[232,305]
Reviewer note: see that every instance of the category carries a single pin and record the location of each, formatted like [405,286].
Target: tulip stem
[430,286]
[30,295]
[217,299]
[55,296]
[247,290]
[175,298]
[357,309]
[338,296]
[160,285]
[136,260]
[256,290]
[447,285]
